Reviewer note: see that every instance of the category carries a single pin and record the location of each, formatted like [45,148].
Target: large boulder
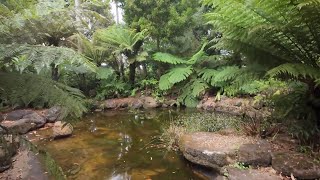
[53,114]
[249,174]
[211,149]
[299,165]
[257,154]
[17,114]
[24,125]
[150,102]
[62,129]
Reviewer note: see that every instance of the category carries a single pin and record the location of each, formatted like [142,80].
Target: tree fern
[21,90]
[42,57]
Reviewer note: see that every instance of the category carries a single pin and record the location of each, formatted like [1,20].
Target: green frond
[42,57]
[225,74]
[296,70]
[168,58]
[164,83]
[119,38]
[208,74]
[198,87]
[175,76]
[21,90]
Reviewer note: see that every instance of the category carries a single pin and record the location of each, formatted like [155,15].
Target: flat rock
[62,129]
[257,154]
[26,165]
[27,123]
[211,149]
[249,174]
[17,114]
[297,164]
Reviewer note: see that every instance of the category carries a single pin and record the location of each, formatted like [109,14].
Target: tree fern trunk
[54,72]
[132,73]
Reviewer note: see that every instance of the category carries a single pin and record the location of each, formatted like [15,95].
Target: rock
[299,165]
[150,102]
[53,114]
[211,149]
[238,103]
[5,159]
[258,154]
[27,123]
[136,104]
[110,104]
[62,129]
[36,118]
[249,174]
[17,114]
[8,148]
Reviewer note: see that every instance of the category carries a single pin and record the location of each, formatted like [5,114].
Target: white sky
[113,12]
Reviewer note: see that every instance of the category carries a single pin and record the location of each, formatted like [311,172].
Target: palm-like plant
[284,36]
[124,41]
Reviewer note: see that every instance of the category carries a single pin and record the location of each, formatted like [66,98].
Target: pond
[120,145]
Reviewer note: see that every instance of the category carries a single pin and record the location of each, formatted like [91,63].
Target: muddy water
[120,145]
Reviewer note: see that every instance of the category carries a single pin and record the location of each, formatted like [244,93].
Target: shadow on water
[120,145]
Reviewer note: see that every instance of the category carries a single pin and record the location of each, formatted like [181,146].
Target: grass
[196,122]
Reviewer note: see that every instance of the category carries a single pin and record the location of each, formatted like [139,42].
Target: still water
[119,145]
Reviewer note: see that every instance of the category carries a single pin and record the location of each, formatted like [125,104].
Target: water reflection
[119,145]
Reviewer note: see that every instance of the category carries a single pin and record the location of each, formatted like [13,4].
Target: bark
[132,73]
[54,72]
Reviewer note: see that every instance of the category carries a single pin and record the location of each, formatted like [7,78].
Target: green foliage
[281,34]
[120,39]
[42,57]
[110,87]
[22,91]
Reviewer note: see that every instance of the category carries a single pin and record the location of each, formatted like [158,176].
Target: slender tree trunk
[132,73]
[117,12]
[77,4]
[54,72]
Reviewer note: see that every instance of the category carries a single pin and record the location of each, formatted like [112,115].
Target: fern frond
[42,57]
[296,70]
[21,90]
[207,74]
[168,58]
[164,83]
[179,74]
[225,74]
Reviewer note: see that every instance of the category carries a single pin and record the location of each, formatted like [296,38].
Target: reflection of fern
[21,90]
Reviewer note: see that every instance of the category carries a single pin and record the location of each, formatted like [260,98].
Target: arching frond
[296,70]
[42,57]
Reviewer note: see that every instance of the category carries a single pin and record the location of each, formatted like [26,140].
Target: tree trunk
[132,73]
[54,72]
